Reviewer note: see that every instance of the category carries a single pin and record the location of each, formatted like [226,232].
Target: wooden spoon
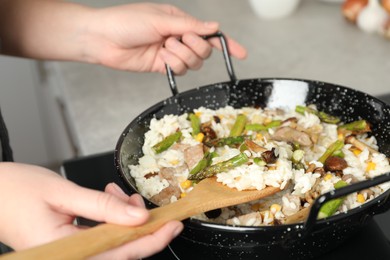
[206,195]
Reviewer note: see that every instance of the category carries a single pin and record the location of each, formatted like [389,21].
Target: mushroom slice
[358,144]
[292,135]
[254,146]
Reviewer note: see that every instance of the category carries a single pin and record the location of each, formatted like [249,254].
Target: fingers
[186,54]
[190,52]
[147,245]
[134,199]
[106,207]
[235,49]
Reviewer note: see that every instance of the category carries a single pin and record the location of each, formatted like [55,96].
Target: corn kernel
[174,162]
[327,177]
[183,194]
[356,151]
[267,120]
[271,168]
[186,184]
[340,136]
[198,114]
[275,208]
[360,198]
[199,137]
[259,137]
[370,166]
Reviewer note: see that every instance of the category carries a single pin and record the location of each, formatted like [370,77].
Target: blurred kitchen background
[61,110]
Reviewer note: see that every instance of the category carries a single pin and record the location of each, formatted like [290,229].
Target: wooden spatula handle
[102,237]
[206,195]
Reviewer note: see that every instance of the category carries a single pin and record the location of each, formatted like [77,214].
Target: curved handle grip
[312,218]
[228,62]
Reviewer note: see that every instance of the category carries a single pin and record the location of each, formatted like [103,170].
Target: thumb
[102,207]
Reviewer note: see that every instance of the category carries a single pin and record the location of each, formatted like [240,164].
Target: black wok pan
[203,240]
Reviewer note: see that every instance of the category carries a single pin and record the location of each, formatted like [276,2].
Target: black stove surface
[98,170]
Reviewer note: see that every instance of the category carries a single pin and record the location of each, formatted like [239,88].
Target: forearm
[44,29]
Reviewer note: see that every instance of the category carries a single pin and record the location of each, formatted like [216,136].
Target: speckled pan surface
[211,241]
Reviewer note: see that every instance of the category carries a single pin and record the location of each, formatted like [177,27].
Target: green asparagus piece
[338,153]
[260,127]
[297,156]
[324,117]
[219,167]
[243,147]
[203,163]
[238,126]
[295,146]
[167,142]
[330,207]
[356,126]
[337,145]
[259,161]
[195,124]
[229,141]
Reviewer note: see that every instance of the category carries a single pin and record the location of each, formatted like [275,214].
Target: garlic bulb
[372,18]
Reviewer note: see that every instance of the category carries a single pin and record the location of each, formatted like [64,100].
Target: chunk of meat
[165,195]
[292,135]
[169,173]
[193,154]
[180,147]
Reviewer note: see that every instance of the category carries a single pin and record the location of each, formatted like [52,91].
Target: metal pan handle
[312,218]
[225,51]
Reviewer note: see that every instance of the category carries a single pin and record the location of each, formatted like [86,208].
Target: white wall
[28,108]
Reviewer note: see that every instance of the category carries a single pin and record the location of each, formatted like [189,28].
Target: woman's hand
[138,37]
[39,206]
[143,37]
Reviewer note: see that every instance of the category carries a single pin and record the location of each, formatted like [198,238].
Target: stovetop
[98,170]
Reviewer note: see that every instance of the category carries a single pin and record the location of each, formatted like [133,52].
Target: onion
[386,5]
[372,18]
[352,8]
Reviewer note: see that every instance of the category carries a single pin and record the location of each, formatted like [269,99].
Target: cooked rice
[252,175]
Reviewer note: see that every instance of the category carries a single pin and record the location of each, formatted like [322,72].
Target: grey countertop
[315,42]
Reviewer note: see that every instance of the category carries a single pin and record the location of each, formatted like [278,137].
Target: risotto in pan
[304,151]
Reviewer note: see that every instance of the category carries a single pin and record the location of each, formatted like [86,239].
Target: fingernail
[139,200]
[177,231]
[117,188]
[212,25]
